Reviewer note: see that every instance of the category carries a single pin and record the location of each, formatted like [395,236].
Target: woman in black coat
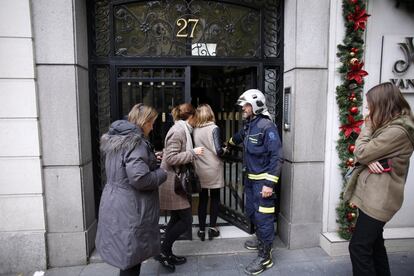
[128,231]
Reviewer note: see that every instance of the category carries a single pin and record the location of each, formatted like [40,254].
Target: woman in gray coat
[128,231]
[178,150]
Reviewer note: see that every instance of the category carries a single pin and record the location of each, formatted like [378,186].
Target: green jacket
[381,195]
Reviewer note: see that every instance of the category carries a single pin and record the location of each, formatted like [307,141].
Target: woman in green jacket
[384,146]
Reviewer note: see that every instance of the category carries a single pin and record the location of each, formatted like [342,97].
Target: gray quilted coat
[128,231]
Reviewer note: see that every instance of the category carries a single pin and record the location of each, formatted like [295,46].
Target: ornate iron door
[232,85]
[147,51]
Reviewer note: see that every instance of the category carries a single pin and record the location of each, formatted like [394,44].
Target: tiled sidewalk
[312,261]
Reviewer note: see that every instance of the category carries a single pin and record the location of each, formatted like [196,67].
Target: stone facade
[46,181]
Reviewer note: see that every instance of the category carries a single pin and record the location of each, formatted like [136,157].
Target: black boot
[177,260]
[262,262]
[252,244]
[166,262]
[201,235]
[213,233]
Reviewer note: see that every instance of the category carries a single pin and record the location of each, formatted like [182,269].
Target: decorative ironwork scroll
[101,35]
[156,28]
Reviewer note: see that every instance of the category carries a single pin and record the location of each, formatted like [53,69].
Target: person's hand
[375,167]
[199,150]
[267,191]
[158,154]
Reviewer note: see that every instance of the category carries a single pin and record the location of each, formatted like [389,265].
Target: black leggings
[132,271]
[214,207]
[366,248]
[179,223]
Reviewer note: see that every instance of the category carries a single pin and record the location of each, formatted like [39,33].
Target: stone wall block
[54,32]
[59,115]
[18,98]
[16,58]
[64,199]
[66,249]
[84,119]
[88,194]
[19,137]
[310,117]
[21,175]
[312,29]
[22,213]
[15,18]
[307,193]
[29,256]
[81,35]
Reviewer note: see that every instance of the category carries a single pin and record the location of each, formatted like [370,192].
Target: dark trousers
[132,271]
[257,210]
[367,250]
[214,207]
[179,223]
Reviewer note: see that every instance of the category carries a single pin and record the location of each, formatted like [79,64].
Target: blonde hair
[182,112]
[140,114]
[204,114]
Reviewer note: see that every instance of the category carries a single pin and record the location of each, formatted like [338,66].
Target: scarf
[188,130]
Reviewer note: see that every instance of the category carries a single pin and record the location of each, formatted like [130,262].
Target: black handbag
[186,181]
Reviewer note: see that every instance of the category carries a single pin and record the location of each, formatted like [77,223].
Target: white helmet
[257,100]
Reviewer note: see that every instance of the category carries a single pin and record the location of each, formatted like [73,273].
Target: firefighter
[262,161]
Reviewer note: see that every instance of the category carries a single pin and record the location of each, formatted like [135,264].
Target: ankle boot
[201,235]
[213,233]
[177,260]
[262,262]
[166,262]
[252,244]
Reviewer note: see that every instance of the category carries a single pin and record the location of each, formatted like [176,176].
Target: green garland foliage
[349,100]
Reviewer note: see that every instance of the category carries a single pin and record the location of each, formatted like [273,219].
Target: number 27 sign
[182,24]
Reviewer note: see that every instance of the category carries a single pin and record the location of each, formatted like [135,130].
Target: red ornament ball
[350,216]
[351,148]
[354,50]
[353,1]
[353,109]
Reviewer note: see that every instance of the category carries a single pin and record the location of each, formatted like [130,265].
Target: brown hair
[182,112]
[204,114]
[385,102]
[140,114]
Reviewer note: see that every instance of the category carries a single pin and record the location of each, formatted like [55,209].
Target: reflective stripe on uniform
[266,210]
[263,176]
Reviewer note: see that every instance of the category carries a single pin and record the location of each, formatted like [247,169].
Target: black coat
[128,231]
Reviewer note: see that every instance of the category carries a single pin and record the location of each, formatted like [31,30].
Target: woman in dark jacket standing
[383,149]
[178,150]
[128,231]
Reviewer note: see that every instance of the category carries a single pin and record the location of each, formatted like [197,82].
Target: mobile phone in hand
[385,163]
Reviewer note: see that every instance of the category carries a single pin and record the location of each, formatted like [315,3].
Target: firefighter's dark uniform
[262,162]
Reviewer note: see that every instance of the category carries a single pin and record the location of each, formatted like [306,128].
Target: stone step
[230,241]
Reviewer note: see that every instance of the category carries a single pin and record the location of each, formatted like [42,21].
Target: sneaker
[213,233]
[252,244]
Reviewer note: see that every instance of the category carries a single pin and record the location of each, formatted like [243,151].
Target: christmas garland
[349,100]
